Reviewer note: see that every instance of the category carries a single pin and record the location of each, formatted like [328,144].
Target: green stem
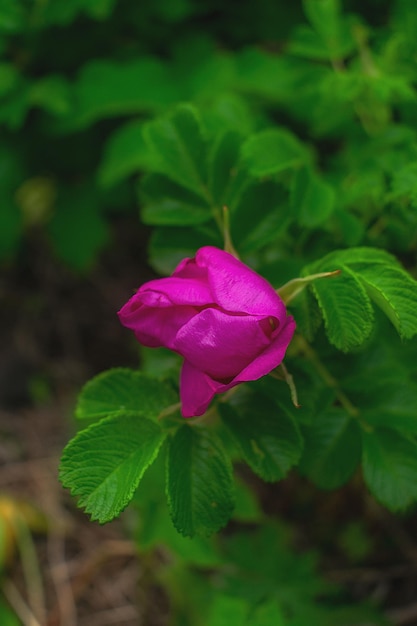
[228,244]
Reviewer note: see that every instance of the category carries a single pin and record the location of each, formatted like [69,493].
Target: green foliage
[332,449]
[266,435]
[367,275]
[389,465]
[124,390]
[199,482]
[104,463]
[299,118]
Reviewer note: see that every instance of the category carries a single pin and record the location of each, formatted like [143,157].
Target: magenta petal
[270,358]
[220,344]
[236,287]
[197,390]
[154,327]
[175,290]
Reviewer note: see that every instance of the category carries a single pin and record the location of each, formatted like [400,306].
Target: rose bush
[227,322]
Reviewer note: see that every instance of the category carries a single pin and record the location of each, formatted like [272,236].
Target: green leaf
[199,482]
[272,151]
[393,403]
[386,283]
[180,150]
[274,573]
[107,89]
[12,17]
[104,463]
[9,78]
[305,42]
[266,614]
[170,245]
[124,390]
[227,611]
[312,199]
[63,12]
[165,203]
[333,32]
[52,94]
[390,467]
[125,153]
[260,215]
[345,306]
[395,293]
[223,161]
[265,434]
[332,449]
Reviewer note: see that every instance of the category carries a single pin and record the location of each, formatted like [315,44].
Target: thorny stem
[326,376]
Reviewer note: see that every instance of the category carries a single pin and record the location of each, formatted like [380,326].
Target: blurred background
[78,79]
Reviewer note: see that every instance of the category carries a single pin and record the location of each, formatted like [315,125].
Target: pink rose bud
[227,322]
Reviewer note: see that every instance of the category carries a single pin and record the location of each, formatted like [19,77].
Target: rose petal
[236,287]
[221,344]
[197,389]
[175,290]
[271,357]
[154,327]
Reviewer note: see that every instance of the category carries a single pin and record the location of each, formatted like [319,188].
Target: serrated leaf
[124,390]
[345,306]
[386,283]
[167,204]
[395,293]
[272,151]
[390,467]
[360,255]
[180,149]
[332,449]
[199,482]
[104,463]
[265,434]
[312,199]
